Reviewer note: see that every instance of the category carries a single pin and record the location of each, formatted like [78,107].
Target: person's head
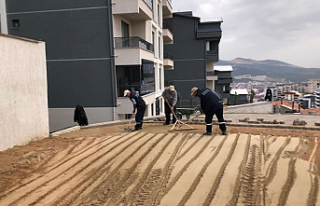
[171,88]
[194,91]
[126,93]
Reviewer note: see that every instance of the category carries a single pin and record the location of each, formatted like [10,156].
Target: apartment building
[139,37]
[317,99]
[95,50]
[79,48]
[313,85]
[195,49]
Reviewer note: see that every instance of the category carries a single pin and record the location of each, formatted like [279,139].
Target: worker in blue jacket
[139,104]
[210,104]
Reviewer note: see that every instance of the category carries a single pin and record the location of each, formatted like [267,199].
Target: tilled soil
[105,166]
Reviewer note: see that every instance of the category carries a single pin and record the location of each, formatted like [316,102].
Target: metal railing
[133,42]
[149,3]
[167,56]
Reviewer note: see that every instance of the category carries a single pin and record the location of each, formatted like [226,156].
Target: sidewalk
[233,120]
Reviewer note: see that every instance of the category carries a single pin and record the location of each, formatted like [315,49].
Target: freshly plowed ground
[105,166]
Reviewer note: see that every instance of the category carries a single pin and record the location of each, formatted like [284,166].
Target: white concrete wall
[23,91]
[63,117]
[3,17]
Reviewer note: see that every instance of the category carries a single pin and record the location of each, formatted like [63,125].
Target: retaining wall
[23,91]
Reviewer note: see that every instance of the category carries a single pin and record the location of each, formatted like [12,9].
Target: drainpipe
[3,13]
[112,64]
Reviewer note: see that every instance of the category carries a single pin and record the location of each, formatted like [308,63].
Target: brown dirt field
[164,166]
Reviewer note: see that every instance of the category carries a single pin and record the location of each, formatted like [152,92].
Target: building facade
[313,85]
[80,64]
[139,38]
[194,51]
[96,50]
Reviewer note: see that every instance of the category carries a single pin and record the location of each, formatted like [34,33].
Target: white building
[139,38]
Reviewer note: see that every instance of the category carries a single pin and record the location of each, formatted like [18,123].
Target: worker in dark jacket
[139,104]
[210,104]
[170,95]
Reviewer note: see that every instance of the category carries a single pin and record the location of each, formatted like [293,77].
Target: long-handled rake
[179,122]
[128,128]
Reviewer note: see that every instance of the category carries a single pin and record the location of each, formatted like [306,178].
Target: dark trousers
[139,117]
[167,110]
[218,111]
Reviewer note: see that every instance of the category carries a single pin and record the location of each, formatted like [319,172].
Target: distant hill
[271,68]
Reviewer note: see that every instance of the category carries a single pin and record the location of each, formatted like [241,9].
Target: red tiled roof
[286,103]
[315,111]
[296,107]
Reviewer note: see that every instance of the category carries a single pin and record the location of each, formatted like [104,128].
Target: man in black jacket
[139,104]
[210,104]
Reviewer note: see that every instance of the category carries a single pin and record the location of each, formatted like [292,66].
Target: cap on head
[126,92]
[171,88]
[193,90]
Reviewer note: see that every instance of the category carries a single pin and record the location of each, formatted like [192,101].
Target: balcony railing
[167,56]
[211,73]
[133,42]
[170,1]
[149,3]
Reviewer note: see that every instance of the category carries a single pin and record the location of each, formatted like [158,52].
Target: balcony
[167,31]
[131,50]
[134,9]
[167,8]
[213,33]
[168,61]
[211,75]
[224,81]
[212,56]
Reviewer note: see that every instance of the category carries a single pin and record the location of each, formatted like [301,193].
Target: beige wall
[23,91]
[125,6]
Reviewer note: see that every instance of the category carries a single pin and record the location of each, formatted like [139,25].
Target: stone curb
[60,132]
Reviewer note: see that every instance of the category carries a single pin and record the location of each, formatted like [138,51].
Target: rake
[178,122]
[127,129]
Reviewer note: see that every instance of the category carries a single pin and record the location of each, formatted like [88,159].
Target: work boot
[207,133]
[224,132]
[165,123]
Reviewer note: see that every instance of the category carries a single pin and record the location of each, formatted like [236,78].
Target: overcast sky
[285,30]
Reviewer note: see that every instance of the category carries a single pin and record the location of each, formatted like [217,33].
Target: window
[140,78]
[160,78]
[152,112]
[125,34]
[157,106]
[124,29]
[159,14]
[159,47]
[15,23]
[153,42]
[155,13]
[208,46]
[147,77]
